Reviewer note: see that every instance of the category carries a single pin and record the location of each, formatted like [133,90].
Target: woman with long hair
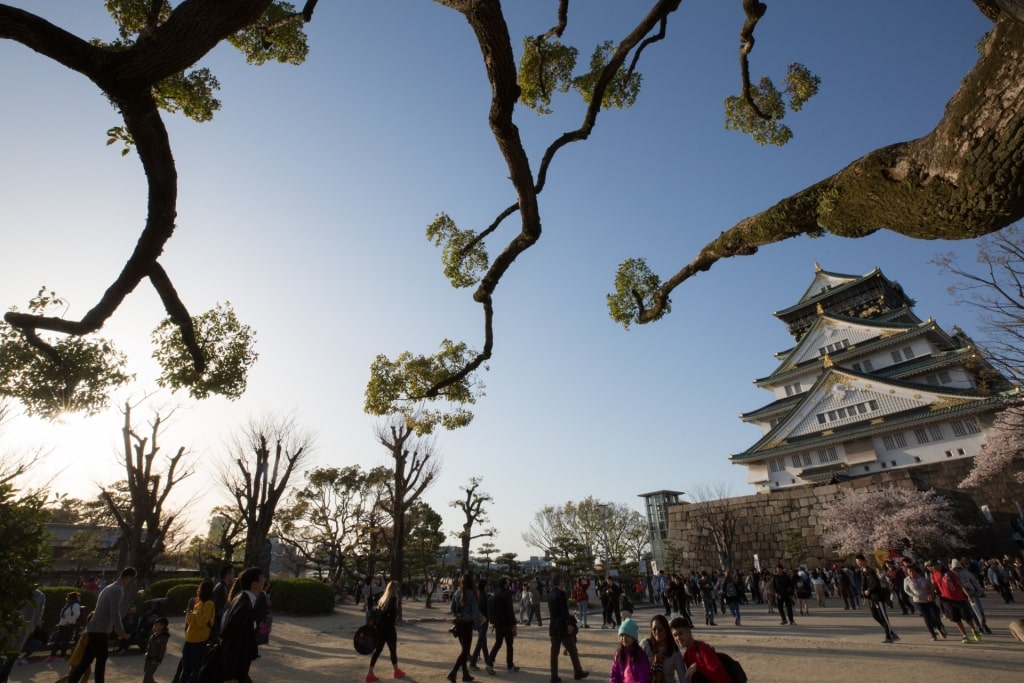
[198,625]
[384,617]
[467,617]
[663,653]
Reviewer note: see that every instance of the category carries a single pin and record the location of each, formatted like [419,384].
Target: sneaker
[977,637]
[942,632]
[986,629]
[934,637]
[513,668]
[965,639]
[399,673]
[489,669]
[370,678]
[581,675]
[887,640]
[894,637]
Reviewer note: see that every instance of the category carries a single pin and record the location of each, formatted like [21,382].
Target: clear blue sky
[305,201]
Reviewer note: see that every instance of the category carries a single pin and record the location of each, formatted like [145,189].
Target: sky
[304,203]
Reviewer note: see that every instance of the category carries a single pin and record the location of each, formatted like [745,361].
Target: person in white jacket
[66,625]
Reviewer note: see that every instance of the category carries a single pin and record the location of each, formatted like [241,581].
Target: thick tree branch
[963,180]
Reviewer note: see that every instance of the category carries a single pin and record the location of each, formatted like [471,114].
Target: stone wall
[782,526]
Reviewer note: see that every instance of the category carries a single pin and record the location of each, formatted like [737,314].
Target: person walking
[921,593]
[106,618]
[384,617]
[482,597]
[534,604]
[467,618]
[663,653]
[220,598]
[782,587]
[581,598]
[733,594]
[877,596]
[238,635]
[198,625]
[561,630]
[974,591]
[67,622]
[954,599]
[501,610]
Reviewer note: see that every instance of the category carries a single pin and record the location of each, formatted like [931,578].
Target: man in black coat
[782,585]
[502,614]
[238,637]
[561,630]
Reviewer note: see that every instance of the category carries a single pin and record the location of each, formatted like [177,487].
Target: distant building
[867,387]
[656,504]
[104,551]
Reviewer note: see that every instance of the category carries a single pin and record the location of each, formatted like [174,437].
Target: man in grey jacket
[110,608]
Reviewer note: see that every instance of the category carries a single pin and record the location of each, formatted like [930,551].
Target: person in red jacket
[953,597]
[699,658]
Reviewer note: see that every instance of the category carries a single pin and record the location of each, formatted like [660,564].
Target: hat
[629,628]
[162,620]
[955,564]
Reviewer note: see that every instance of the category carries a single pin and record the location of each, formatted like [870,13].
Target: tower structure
[656,504]
[868,386]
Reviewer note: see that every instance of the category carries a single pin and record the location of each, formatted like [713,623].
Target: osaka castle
[868,386]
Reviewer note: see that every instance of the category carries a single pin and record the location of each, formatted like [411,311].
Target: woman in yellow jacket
[198,622]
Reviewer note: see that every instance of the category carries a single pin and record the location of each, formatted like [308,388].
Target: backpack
[83,616]
[732,668]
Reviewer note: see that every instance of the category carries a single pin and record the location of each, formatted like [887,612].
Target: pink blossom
[1003,452]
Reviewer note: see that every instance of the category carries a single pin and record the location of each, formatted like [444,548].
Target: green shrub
[302,596]
[158,589]
[55,597]
[179,596]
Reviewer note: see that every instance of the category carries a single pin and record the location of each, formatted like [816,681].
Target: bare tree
[472,506]
[265,455]
[713,519]
[139,504]
[996,289]
[416,466]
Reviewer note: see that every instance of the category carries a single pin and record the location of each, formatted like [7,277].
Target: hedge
[179,596]
[302,596]
[159,589]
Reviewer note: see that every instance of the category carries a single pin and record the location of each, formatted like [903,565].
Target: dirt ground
[830,644]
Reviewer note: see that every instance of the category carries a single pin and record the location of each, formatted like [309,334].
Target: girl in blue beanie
[630,664]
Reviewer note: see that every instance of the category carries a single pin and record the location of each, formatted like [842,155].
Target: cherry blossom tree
[1003,453]
[893,518]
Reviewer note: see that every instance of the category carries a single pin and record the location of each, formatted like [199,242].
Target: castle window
[833,347]
[922,436]
[908,352]
[776,465]
[936,432]
[793,388]
[949,454]
[867,365]
[894,441]
[960,451]
[965,427]
[828,455]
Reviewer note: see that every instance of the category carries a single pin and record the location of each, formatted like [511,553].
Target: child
[630,664]
[155,649]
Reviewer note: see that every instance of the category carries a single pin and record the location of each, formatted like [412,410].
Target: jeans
[932,619]
[582,607]
[481,645]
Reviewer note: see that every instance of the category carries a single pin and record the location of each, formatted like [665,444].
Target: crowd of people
[222,620]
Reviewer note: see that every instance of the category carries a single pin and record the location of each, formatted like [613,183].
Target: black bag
[733,668]
[212,669]
[366,639]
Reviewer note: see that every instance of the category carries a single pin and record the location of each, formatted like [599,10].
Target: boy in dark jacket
[155,649]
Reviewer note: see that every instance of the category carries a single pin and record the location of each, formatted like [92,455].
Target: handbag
[366,639]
